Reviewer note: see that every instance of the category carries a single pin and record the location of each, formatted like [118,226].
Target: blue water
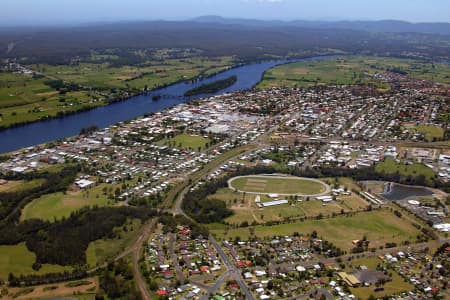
[49,130]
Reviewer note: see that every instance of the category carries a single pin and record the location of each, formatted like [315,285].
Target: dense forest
[116,282]
[247,41]
[212,87]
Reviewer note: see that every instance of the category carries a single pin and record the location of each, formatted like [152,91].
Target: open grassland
[351,70]
[379,227]
[18,260]
[390,166]
[57,205]
[85,288]
[267,184]
[102,250]
[397,285]
[187,141]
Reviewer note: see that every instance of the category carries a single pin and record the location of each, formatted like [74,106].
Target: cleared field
[85,288]
[351,70]
[18,260]
[188,141]
[378,226]
[55,206]
[278,185]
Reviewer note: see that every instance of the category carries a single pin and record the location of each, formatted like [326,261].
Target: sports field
[188,141]
[260,184]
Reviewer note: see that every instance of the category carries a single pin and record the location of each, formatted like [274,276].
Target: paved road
[216,286]
[173,255]
[232,269]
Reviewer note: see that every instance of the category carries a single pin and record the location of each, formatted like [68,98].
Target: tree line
[65,242]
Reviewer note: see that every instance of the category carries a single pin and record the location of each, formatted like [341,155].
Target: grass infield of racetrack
[277,185]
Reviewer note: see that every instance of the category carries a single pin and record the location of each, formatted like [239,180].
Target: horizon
[52,13]
[197,19]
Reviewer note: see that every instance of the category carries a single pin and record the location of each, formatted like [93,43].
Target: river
[49,130]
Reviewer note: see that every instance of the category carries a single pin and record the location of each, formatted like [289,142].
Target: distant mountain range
[369,26]
[249,40]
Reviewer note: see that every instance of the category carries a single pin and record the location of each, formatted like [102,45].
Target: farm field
[55,206]
[277,185]
[188,141]
[379,227]
[350,70]
[151,73]
[24,98]
[101,250]
[85,288]
[18,260]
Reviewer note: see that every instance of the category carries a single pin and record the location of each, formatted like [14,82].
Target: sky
[29,12]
